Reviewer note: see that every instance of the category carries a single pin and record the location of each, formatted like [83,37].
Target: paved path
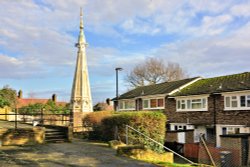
[76,154]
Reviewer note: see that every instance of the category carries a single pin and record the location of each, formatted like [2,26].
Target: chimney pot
[54,98]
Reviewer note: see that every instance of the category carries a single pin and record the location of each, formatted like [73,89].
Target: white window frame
[238,100]
[152,98]
[183,101]
[123,104]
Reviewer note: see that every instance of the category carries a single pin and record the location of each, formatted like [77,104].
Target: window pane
[126,105]
[196,100]
[160,102]
[120,104]
[248,103]
[227,101]
[248,100]
[237,130]
[132,104]
[145,103]
[234,103]
[196,105]
[178,104]
[153,103]
[183,106]
[242,101]
[204,103]
[188,104]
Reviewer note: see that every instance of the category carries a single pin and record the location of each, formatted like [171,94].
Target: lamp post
[117,93]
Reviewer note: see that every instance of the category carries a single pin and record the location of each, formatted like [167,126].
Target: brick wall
[171,137]
[192,117]
[249,150]
[241,117]
[233,117]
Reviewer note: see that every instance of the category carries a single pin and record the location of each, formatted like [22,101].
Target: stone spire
[81,100]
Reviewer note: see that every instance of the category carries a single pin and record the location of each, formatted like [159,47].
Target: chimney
[54,97]
[20,94]
[108,101]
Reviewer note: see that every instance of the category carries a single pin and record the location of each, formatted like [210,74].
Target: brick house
[151,97]
[213,106]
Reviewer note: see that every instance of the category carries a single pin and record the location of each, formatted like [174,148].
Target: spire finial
[81,18]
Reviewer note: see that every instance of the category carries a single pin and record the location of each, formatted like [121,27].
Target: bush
[94,119]
[152,124]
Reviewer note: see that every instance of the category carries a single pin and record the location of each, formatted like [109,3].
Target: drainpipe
[215,115]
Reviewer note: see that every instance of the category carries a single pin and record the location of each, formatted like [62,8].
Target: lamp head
[118,69]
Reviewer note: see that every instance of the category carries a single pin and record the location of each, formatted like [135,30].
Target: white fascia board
[153,96]
[183,86]
[235,92]
[192,96]
[126,99]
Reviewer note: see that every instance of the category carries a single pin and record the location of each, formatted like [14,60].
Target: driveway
[79,153]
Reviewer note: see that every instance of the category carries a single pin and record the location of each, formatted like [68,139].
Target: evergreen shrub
[150,123]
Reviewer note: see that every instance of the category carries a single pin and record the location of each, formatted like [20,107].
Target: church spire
[81,100]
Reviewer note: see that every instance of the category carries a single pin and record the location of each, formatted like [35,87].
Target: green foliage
[152,124]
[94,119]
[50,107]
[8,97]
[31,109]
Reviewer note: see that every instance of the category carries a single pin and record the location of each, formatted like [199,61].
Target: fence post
[62,119]
[16,119]
[126,135]
[42,116]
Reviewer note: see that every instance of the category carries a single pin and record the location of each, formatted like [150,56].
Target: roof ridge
[227,75]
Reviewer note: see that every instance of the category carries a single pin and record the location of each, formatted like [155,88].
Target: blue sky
[37,54]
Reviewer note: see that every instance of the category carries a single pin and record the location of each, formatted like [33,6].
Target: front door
[181,137]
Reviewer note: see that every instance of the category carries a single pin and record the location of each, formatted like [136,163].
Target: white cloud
[241,10]
[36,38]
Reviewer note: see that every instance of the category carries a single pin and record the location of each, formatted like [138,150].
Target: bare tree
[154,71]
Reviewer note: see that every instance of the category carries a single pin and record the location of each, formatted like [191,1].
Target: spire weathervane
[81,18]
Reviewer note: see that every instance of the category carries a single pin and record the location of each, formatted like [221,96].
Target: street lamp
[116,71]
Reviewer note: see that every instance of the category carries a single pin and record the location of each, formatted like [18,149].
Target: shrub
[94,119]
[151,124]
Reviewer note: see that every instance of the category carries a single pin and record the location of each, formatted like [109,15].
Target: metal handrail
[127,126]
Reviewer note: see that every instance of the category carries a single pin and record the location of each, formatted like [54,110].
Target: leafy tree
[31,109]
[50,108]
[8,97]
[154,71]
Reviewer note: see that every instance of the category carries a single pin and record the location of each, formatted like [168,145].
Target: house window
[237,102]
[127,105]
[230,130]
[157,103]
[192,104]
[153,103]
[145,103]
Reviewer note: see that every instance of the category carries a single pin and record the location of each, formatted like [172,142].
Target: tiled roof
[21,102]
[162,88]
[228,83]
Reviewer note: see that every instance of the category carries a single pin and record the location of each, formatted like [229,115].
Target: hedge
[150,123]
[94,120]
